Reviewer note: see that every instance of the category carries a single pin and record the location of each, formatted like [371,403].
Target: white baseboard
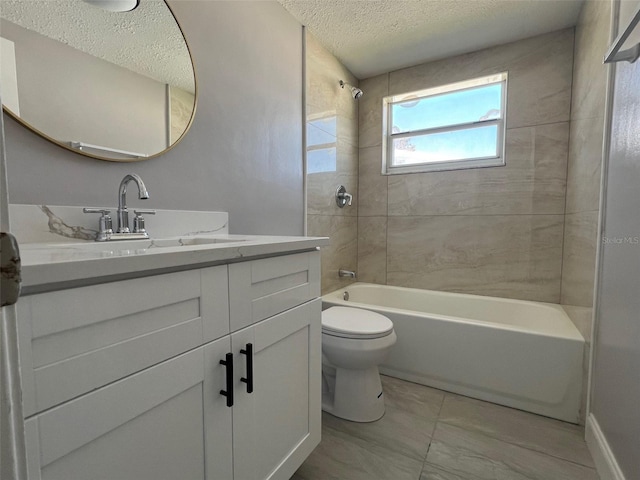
[603,457]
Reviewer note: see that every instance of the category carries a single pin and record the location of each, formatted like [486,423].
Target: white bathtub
[525,355]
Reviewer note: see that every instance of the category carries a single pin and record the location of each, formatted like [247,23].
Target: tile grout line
[433,431]
[515,444]
[438,420]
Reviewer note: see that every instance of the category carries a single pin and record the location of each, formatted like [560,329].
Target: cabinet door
[278,425]
[147,426]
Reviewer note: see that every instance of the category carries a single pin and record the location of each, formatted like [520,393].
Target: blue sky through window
[446,146]
[453,108]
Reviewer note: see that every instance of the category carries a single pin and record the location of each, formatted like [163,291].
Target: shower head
[356,93]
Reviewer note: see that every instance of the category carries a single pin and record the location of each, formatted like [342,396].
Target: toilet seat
[355,323]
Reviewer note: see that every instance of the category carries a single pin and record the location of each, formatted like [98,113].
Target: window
[461,125]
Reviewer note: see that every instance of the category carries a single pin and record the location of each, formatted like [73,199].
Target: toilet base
[355,395]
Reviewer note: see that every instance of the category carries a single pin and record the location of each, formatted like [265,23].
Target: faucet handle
[138,220]
[342,197]
[106,225]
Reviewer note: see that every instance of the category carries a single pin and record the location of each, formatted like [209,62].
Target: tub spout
[346,273]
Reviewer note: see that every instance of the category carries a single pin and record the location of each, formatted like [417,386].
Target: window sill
[445,166]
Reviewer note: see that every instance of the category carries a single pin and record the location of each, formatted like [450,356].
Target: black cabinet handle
[228,363]
[248,351]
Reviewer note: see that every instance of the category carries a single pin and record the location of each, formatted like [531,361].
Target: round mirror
[112,85]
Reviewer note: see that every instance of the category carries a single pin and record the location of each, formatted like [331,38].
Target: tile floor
[428,434]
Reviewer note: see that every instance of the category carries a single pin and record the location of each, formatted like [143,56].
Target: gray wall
[615,395]
[488,231]
[243,153]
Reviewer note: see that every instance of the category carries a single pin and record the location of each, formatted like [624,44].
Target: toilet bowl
[354,343]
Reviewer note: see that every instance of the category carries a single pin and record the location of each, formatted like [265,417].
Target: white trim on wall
[603,457]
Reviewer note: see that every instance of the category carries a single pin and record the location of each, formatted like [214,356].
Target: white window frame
[457,164]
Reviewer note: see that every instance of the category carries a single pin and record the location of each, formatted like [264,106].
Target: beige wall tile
[523,260]
[579,258]
[321,194]
[370,110]
[513,256]
[321,186]
[372,249]
[325,98]
[347,129]
[585,164]
[540,76]
[324,72]
[533,180]
[589,73]
[342,253]
[581,318]
[584,172]
[372,185]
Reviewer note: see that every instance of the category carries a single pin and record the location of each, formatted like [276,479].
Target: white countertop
[50,266]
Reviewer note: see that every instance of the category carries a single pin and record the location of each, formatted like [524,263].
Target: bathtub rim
[335,298]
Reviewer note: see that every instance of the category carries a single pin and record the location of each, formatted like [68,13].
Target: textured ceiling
[377,36]
[146,40]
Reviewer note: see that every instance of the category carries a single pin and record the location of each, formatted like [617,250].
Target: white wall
[615,395]
[243,153]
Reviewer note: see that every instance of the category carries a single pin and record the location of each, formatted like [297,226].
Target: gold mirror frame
[59,143]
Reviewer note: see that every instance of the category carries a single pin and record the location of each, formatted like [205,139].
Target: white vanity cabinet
[124,380]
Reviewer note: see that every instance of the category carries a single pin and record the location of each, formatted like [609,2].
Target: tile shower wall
[491,231]
[585,154]
[332,160]
[584,170]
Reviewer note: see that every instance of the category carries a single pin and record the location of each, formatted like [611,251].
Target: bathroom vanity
[188,361]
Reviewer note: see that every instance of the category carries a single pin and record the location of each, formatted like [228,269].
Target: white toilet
[354,343]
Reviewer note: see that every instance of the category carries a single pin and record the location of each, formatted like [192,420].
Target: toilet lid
[355,323]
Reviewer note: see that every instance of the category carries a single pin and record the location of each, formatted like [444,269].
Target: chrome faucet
[123,213]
